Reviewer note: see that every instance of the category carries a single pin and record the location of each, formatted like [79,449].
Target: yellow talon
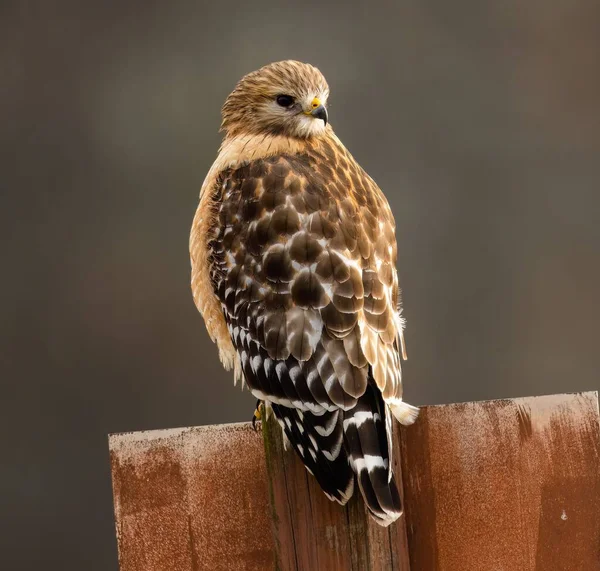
[257,414]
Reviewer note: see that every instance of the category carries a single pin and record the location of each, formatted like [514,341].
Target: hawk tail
[366,440]
[318,440]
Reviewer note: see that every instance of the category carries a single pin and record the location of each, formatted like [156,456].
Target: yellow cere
[314,104]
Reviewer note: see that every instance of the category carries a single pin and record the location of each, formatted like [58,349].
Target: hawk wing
[303,262]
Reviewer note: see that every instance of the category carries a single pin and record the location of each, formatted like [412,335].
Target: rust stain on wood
[488,486]
[191,499]
[492,485]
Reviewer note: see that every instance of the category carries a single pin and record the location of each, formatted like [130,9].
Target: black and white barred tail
[368,445]
[340,446]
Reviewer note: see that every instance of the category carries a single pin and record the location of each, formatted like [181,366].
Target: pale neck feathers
[242,149]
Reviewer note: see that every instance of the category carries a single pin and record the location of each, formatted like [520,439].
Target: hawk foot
[258,414]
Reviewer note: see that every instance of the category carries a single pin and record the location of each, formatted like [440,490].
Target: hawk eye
[285,100]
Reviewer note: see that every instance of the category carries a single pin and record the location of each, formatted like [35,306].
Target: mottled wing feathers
[303,260]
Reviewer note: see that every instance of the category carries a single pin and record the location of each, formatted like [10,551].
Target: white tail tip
[386,521]
[405,413]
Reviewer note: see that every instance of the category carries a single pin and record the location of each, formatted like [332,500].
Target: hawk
[293,255]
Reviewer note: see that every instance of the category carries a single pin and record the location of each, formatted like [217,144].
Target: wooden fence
[487,486]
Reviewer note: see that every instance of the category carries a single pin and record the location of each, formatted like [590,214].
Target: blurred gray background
[480,120]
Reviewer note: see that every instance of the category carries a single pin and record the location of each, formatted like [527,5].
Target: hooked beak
[320,113]
[317,110]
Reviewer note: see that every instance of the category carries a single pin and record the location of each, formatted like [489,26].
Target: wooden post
[191,498]
[311,532]
[497,485]
[507,484]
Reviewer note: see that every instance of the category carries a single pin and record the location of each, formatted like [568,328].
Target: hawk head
[284,98]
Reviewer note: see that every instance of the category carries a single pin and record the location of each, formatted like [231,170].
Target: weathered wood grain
[191,499]
[313,533]
[492,486]
[505,485]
